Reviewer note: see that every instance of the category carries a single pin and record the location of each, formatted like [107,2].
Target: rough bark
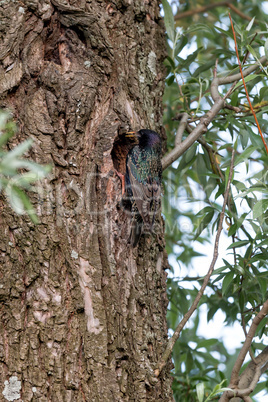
[82,314]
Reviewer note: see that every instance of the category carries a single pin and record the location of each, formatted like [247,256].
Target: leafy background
[194,187]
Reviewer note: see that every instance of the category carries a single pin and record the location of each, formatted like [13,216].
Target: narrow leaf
[247,79]
[204,343]
[14,199]
[226,281]
[20,202]
[200,390]
[260,208]
[204,223]
[169,20]
[4,137]
[17,151]
[180,44]
[237,244]
[248,28]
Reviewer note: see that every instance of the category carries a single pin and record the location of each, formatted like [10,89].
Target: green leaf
[237,244]
[7,127]
[217,390]
[169,20]
[252,51]
[260,208]
[227,176]
[232,229]
[170,79]
[226,281]
[189,361]
[18,151]
[266,48]
[181,43]
[241,300]
[247,79]
[204,223]
[25,179]
[4,116]
[199,27]
[261,326]
[227,264]
[4,137]
[200,390]
[245,155]
[15,164]
[20,202]
[14,199]
[190,153]
[204,343]
[171,62]
[186,63]
[204,210]
[204,67]
[263,285]
[263,243]
[249,26]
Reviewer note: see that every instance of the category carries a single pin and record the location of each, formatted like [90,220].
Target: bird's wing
[146,192]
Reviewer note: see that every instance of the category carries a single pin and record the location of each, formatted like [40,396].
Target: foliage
[17,175]
[195,184]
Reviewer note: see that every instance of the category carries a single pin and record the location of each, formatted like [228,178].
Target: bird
[143,182]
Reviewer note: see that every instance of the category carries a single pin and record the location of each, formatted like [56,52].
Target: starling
[143,182]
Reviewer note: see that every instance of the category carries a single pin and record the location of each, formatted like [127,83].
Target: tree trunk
[82,314]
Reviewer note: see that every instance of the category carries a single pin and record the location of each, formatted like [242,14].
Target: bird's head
[145,138]
[133,136]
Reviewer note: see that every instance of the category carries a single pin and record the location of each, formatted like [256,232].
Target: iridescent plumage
[143,182]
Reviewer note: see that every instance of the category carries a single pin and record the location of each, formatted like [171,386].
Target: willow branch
[205,120]
[181,128]
[246,72]
[162,363]
[245,348]
[200,129]
[246,383]
[252,356]
[247,377]
[242,393]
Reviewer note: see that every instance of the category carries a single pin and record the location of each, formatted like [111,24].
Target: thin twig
[235,77]
[162,363]
[244,83]
[181,128]
[199,10]
[246,334]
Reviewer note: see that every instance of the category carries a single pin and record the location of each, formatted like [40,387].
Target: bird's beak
[132,135]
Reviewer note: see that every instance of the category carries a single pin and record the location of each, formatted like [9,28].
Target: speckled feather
[143,182]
